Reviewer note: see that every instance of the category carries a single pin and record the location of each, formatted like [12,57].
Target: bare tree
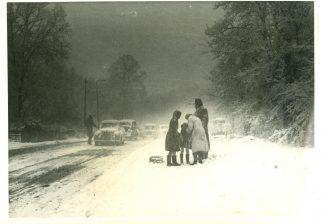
[37,35]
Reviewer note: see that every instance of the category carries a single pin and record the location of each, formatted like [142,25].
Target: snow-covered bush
[293,135]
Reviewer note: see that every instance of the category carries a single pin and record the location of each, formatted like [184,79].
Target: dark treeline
[264,72]
[40,84]
[44,88]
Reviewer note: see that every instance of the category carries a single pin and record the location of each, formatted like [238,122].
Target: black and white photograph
[161,111]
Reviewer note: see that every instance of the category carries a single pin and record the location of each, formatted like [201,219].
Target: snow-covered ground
[244,177]
[23,145]
[41,180]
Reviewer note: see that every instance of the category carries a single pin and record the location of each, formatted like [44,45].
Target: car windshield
[125,123]
[150,127]
[109,125]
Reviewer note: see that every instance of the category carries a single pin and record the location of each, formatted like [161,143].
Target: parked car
[110,132]
[131,130]
[218,126]
[150,130]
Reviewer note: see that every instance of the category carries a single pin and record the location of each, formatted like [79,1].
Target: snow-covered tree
[264,55]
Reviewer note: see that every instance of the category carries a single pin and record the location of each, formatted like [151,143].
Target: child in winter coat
[172,141]
[185,143]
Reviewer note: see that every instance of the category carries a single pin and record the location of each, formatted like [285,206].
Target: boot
[181,157]
[205,155]
[169,160]
[195,158]
[200,157]
[187,156]
[174,161]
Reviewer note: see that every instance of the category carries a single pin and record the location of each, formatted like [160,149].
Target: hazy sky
[167,38]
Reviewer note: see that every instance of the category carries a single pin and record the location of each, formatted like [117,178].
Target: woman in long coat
[199,140]
[172,142]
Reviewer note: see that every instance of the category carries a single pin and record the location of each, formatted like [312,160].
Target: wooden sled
[156,159]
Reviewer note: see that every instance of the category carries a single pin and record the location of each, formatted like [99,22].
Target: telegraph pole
[97,98]
[85,101]
[97,103]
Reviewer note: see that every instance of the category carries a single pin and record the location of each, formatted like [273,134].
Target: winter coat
[199,140]
[89,125]
[202,113]
[185,136]
[172,141]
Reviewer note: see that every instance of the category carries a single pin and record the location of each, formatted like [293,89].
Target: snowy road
[243,177]
[43,179]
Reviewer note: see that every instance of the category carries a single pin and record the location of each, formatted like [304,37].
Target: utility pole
[85,101]
[97,103]
[97,98]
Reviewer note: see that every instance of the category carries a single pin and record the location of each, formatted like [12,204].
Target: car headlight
[98,134]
